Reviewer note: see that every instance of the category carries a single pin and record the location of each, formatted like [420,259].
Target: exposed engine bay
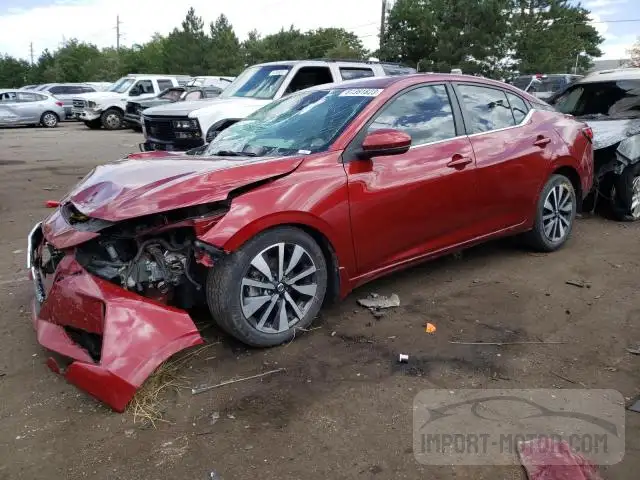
[156,257]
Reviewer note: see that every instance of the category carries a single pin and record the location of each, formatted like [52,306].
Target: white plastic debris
[380,301]
[402,358]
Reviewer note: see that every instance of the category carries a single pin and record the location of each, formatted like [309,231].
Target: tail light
[60,104]
[588,132]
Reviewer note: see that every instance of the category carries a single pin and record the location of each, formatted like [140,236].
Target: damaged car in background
[609,102]
[306,199]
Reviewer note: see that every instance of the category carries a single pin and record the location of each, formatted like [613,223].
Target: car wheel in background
[112,119]
[555,215]
[49,120]
[625,195]
[274,284]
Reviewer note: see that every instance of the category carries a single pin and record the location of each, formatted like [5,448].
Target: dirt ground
[343,407]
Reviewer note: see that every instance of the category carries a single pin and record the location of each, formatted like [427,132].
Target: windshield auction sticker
[361,92]
[494,427]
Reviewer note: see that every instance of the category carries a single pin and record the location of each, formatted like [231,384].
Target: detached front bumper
[111,339]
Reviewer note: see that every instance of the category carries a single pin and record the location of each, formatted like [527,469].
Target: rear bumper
[110,339]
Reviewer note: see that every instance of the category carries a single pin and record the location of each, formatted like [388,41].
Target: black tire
[224,287]
[623,193]
[537,238]
[112,119]
[49,120]
[94,124]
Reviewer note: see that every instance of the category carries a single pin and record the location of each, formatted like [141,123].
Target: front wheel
[274,284]
[112,119]
[555,215]
[49,120]
[625,195]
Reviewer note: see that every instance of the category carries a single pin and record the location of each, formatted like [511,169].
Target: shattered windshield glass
[300,124]
[601,100]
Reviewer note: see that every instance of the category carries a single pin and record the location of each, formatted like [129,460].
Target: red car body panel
[377,215]
[137,333]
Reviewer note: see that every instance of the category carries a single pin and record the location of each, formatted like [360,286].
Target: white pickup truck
[106,109]
[182,126]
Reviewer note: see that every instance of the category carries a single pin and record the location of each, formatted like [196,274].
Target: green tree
[186,49]
[13,72]
[634,53]
[334,43]
[225,52]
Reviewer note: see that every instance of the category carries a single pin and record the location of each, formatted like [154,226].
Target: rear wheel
[625,195]
[112,119]
[555,215]
[49,120]
[274,284]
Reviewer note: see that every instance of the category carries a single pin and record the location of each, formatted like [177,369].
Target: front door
[403,206]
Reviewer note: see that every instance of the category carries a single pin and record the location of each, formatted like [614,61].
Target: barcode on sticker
[361,92]
[278,73]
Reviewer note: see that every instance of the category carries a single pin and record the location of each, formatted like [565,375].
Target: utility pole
[31,52]
[383,17]
[118,33]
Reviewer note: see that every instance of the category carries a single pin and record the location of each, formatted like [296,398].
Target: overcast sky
[47,23]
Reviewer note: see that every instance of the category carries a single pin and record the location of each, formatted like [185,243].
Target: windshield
[122,85]
[615,99]
[258,82]
[299,124]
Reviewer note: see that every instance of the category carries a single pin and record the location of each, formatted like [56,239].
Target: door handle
[459,161]
[542,141]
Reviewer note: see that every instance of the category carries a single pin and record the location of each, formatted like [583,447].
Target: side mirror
[386,141]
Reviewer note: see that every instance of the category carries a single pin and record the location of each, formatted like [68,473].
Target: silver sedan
[23,107]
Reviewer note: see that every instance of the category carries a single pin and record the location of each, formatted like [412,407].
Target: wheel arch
[574,177]
[315,227]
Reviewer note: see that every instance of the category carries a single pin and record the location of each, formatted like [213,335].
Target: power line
[383,17]
[31,52]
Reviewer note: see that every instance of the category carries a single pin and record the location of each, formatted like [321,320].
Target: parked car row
[297,202]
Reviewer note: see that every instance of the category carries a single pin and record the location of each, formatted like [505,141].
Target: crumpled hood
[610,132]
[131,188]
[195,108]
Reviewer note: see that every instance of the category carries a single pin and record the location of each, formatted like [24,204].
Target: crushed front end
[111,298]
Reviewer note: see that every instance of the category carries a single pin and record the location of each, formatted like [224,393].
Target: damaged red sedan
[306,199]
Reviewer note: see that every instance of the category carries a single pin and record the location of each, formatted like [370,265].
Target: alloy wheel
[557,213]
[49,120]
[278,287]
[635,198]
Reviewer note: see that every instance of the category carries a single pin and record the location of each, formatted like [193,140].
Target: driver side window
[424,113]
[309,77]
[144,87]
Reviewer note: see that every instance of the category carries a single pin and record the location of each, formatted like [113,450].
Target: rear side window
[486,108]
[86,89]
[424,113]
[28,97]
[392,70]
[615,99]
[59,90]
[164,84]
[40,98]
[518,107]
[349,73]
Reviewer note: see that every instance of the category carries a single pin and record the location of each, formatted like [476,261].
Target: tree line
[494,38]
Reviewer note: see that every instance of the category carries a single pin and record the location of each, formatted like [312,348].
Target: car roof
[632,73]
[388,81]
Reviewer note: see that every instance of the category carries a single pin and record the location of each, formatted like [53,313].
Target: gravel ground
[343,408]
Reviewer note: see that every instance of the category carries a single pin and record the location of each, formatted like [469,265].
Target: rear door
[404,206]
[512,152]
[30,107]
